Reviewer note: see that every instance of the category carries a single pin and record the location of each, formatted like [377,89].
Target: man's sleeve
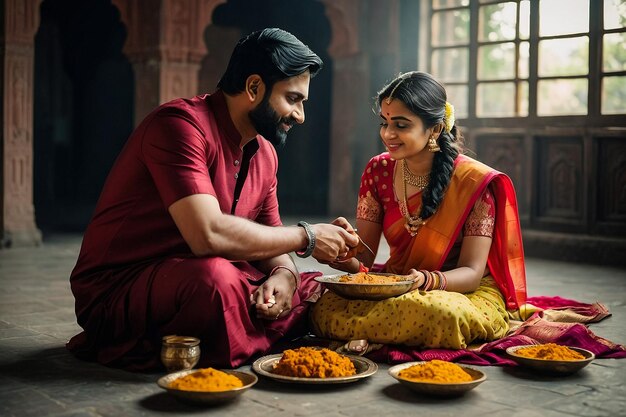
[176,152]
[269,214]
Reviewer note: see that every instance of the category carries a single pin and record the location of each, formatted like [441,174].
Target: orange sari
[429,249]
[435,319]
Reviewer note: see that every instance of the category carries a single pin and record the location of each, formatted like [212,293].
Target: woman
[451,223]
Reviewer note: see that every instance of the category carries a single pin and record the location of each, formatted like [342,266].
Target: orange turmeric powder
[435,371]
[550,351]
[307,362]
[207,379]
[366,278]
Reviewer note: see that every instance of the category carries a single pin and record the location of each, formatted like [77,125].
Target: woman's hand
[350,265]
[417,277]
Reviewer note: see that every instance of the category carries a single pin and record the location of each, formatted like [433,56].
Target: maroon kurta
[136,279]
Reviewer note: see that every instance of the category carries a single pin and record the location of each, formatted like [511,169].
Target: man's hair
[273,54]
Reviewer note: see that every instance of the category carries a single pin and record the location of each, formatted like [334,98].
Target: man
[186,238]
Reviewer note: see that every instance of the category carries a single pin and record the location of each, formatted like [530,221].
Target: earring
[432,145]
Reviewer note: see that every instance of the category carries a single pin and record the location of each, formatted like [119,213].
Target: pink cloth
[535,330]
[136,279]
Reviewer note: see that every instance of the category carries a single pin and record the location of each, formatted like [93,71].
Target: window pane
[561,97]
[614,95]
[614,52]
[564,57]
[439,4]
[496,62]
[450,28]
[496,22]
[522,99]
[457,96]
[614,14]
[495,100]
[524,54]
[524,20]
[450,65]
[560,17]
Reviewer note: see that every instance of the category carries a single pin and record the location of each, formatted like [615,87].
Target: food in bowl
[367,278]
[308,362]
[551,352]
[207,380]
[436,371]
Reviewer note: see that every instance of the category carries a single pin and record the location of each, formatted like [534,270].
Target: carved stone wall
[18,217]
[506,153]
[165,48]
[571,189]
[559,183]
[609,185]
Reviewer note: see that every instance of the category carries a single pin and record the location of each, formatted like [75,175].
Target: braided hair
[426,98]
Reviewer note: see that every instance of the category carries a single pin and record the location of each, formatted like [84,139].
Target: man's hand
[333,241]
[272,300]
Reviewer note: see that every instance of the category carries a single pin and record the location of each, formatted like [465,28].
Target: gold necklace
[419,181]
[413,223]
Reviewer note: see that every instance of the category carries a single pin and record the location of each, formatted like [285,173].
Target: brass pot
[180,352]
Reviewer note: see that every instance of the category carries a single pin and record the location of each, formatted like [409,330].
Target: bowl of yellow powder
[207,385]
[367,286]
[437,378]
[314,365]
[551,358]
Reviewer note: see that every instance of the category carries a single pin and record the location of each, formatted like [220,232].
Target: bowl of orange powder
[367,286]
[551,358]
[207,385]
[314,365]
[437,378]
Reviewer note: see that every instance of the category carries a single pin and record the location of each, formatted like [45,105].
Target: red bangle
[428,280]
[295,276]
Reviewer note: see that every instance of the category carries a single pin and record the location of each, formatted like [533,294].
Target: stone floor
[39,378]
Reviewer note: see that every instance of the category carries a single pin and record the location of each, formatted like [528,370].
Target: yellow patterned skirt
[430,319]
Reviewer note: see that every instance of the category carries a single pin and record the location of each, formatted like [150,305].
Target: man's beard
[268,124]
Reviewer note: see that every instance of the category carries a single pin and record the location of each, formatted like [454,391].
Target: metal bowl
[265,366]
[207,397]
[364,291]
[550,366]
[439,389]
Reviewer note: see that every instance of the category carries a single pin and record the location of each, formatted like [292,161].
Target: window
[523,58]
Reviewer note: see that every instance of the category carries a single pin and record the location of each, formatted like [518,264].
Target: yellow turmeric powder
[207,379]
[366,278]
[550,351]
[435,371]
[307,362]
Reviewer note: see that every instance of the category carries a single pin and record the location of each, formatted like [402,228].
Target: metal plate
[207,397]
[365,291]
[439,389]
[550,366]
[364,368]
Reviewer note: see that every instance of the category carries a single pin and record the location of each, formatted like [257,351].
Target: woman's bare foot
[358,347]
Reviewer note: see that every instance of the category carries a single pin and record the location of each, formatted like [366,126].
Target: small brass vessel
[180,352]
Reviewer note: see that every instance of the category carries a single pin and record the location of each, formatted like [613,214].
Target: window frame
[594,77]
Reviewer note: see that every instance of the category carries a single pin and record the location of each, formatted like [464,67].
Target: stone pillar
[165,46]
[349,82]
[17,219]
[364,49]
